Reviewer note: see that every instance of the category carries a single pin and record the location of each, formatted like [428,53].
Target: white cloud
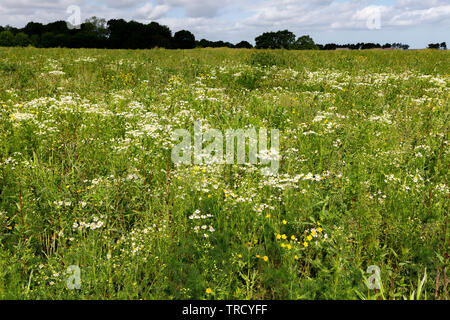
[423,16]
[152,12]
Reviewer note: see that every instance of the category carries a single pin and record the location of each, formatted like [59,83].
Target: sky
[414,22]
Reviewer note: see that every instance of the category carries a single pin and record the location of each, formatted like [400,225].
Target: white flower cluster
[95,224]
[60,204]
[204,228]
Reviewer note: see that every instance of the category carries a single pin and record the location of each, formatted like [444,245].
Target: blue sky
[414,22]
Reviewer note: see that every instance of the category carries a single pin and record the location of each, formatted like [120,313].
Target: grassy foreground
[86,177]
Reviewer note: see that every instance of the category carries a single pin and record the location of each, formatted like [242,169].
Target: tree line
[442,46]
[121,34]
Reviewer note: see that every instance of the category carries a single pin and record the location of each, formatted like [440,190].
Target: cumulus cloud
[421,16]
[152,12]
[197,8]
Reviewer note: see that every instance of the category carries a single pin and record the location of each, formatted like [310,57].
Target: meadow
[86,177]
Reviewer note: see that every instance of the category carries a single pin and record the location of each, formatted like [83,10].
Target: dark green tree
[184,39]
[7,39]
[304,43]
[275,40]
[33,28]
[48,40]
[243,45]
[21,39]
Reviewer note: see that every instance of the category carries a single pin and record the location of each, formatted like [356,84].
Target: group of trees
[284,39]
[363,46]
[287,40]
[442,46]
[99,33]
[120,34]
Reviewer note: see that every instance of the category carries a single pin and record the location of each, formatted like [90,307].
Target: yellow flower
[239,255]
[278,236]
[282,245]
[319,229]
[313,233]
[305,244]
[292,237]
[266,258]
[288,246]
[296,257]
[208,291]
[258,256]
[284,236]
[12,116]
[309,238]
[267,216]
[284,221]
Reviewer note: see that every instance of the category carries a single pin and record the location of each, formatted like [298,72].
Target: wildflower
[305,244]
[284,237]
[266,258]
[284,221]
[208,291]
[319,229]
[309,238]
[239,256]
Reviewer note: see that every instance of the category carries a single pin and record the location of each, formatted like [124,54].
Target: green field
[87,180]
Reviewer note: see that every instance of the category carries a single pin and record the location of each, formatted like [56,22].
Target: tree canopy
[275,40]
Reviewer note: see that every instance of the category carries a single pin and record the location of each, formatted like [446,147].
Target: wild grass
[86,176]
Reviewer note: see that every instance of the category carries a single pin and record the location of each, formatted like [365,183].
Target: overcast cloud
[409,21]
